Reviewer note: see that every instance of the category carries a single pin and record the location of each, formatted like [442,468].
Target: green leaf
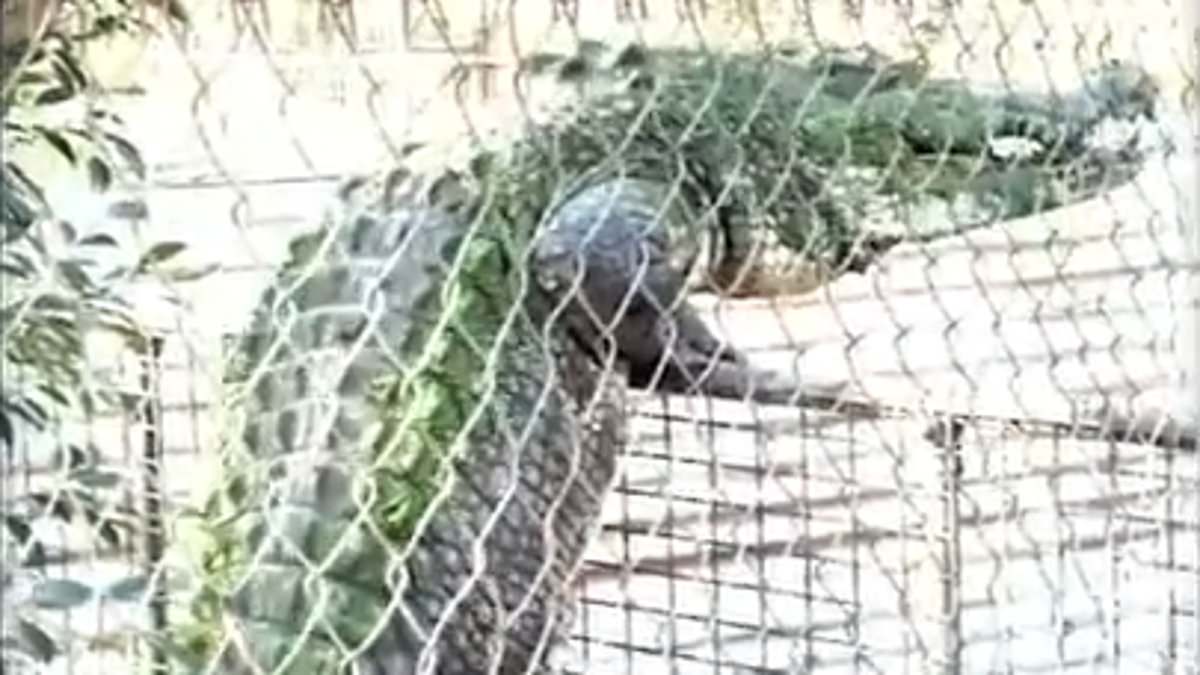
[99,174]
[51,303]
[51,392]
[53,95]
[129,589]
[98,240]
[131,402]
[75,457]
[96,478]
[73,272]
[35,555]
[36,641]
[28,410]
[66,78]
[49,505]
[159,253]
[30,76]
[61,594]
[13,270]
[59,142]
[6,430]
[109,533]
[129,153]
[185,274]
[67,61]
[16,179]
[68,231]
[19,528]
[17,217]
[129,209]
[177,11]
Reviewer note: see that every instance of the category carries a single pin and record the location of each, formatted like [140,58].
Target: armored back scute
[423,459]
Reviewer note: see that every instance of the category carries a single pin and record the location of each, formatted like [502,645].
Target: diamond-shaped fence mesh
[482,337]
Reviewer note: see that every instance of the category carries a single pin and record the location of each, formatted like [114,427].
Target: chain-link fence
[706,336]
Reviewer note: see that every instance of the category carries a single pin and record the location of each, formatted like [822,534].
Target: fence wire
[723,337]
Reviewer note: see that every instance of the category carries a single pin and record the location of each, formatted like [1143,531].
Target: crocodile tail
[314,571]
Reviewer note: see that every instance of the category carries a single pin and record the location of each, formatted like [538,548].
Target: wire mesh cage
[482,337]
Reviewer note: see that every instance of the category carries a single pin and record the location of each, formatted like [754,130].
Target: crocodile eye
[574,68]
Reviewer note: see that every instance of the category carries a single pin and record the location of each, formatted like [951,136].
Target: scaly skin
[403,406]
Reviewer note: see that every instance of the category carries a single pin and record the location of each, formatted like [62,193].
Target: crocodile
[429,397]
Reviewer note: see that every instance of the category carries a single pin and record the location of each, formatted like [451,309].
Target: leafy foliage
[60,286]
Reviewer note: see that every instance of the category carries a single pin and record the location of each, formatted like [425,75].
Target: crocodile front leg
[607,256]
